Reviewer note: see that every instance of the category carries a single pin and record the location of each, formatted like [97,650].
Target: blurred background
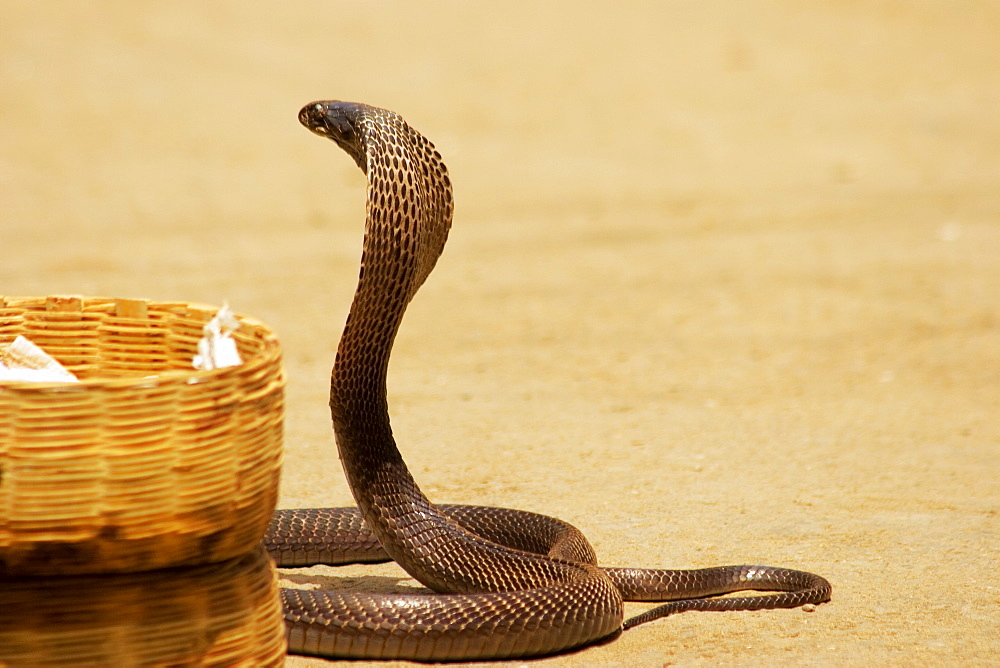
[722,285]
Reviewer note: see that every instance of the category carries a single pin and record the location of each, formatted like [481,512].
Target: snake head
[339,122]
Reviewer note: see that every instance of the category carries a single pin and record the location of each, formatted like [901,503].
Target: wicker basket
[146,463]
[226,614]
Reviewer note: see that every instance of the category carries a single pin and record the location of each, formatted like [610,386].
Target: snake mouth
[322,117]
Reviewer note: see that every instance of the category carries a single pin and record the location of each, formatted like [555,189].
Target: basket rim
[270,349]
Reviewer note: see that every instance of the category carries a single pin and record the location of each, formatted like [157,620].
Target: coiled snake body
[509,583]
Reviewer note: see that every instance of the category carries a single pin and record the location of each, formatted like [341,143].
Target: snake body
[508,583]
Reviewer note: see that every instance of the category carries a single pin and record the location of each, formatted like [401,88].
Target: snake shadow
[376,584]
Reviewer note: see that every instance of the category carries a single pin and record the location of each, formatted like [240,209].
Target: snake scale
[507,583]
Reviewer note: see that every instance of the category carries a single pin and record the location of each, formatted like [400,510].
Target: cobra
[505,583]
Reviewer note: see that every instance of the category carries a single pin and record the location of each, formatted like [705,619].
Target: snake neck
[409,213]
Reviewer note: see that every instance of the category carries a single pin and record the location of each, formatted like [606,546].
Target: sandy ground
[722,288]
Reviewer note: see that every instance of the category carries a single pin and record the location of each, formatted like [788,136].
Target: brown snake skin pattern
[509,583]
